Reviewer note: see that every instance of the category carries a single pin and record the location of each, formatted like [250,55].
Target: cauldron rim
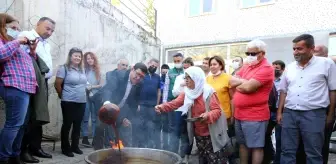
[138,149]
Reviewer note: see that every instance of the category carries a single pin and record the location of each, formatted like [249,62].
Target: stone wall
[92,25]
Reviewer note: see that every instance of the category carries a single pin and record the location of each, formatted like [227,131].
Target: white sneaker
[186,159]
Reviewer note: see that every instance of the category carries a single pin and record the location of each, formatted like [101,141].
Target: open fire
[118,145]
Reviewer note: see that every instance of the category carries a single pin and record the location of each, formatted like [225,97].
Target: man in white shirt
[307,101]
[33,138]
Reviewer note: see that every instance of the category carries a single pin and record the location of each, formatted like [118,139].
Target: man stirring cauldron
[121,89]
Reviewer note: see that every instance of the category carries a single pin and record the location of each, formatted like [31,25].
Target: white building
[222,27]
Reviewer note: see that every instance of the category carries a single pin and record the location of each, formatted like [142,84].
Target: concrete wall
[231,22]
[90,25]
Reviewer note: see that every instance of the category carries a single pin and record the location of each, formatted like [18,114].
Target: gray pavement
[59,158]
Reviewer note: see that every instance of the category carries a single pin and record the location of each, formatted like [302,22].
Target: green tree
[150,13]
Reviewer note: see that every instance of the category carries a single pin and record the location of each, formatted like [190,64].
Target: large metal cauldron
[159,156]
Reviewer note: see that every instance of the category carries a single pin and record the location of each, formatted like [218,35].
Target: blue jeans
[167,129]
[186,146]
[180,132]
[93,111]
[310,125]
[11,135]
[149,127]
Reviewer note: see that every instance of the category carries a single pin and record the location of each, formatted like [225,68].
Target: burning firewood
[116,146]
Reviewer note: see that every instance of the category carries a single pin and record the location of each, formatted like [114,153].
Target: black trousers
[33,134]
[33,131]
[72,116]
[269,152]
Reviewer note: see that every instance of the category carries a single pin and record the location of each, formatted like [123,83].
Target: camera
[31,42]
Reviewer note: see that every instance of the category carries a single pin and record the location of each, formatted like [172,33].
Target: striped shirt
[308,87]
[18,67]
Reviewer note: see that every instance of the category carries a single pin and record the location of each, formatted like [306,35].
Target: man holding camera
[36,117]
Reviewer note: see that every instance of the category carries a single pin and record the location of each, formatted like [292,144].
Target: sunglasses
[252,53]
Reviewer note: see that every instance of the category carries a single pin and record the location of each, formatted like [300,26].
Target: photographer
[18,82]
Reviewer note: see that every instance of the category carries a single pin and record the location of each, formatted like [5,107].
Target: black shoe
[77,150]
[15,160]
[26,157]
[68,153]
[3,162]
[86,142]
[40,153]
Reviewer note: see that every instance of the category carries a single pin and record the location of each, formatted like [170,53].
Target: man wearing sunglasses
[253,83]
[122,89]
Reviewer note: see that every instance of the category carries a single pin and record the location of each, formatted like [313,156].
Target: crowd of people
[230,117]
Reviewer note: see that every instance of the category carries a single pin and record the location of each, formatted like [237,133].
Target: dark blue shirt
[162,82]
[149,90]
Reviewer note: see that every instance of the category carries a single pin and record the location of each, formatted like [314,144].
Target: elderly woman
[17,83]
[201,101]
[71,85]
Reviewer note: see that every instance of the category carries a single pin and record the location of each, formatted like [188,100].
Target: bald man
[321,50]
[122,64]
[334,58]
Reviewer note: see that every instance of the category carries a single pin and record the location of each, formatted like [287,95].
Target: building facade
[202,28]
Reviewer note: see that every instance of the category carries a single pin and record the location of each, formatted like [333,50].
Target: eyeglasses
[125,65]
[252,53]
[187,77]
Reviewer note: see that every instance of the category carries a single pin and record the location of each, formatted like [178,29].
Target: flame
[116,146]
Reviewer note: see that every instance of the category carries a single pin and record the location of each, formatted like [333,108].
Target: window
[252,3]
[226,51]
[199,53]
[170,54]
[332,45]
[199,7]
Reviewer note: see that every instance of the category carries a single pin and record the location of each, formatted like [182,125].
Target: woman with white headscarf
[199,100]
